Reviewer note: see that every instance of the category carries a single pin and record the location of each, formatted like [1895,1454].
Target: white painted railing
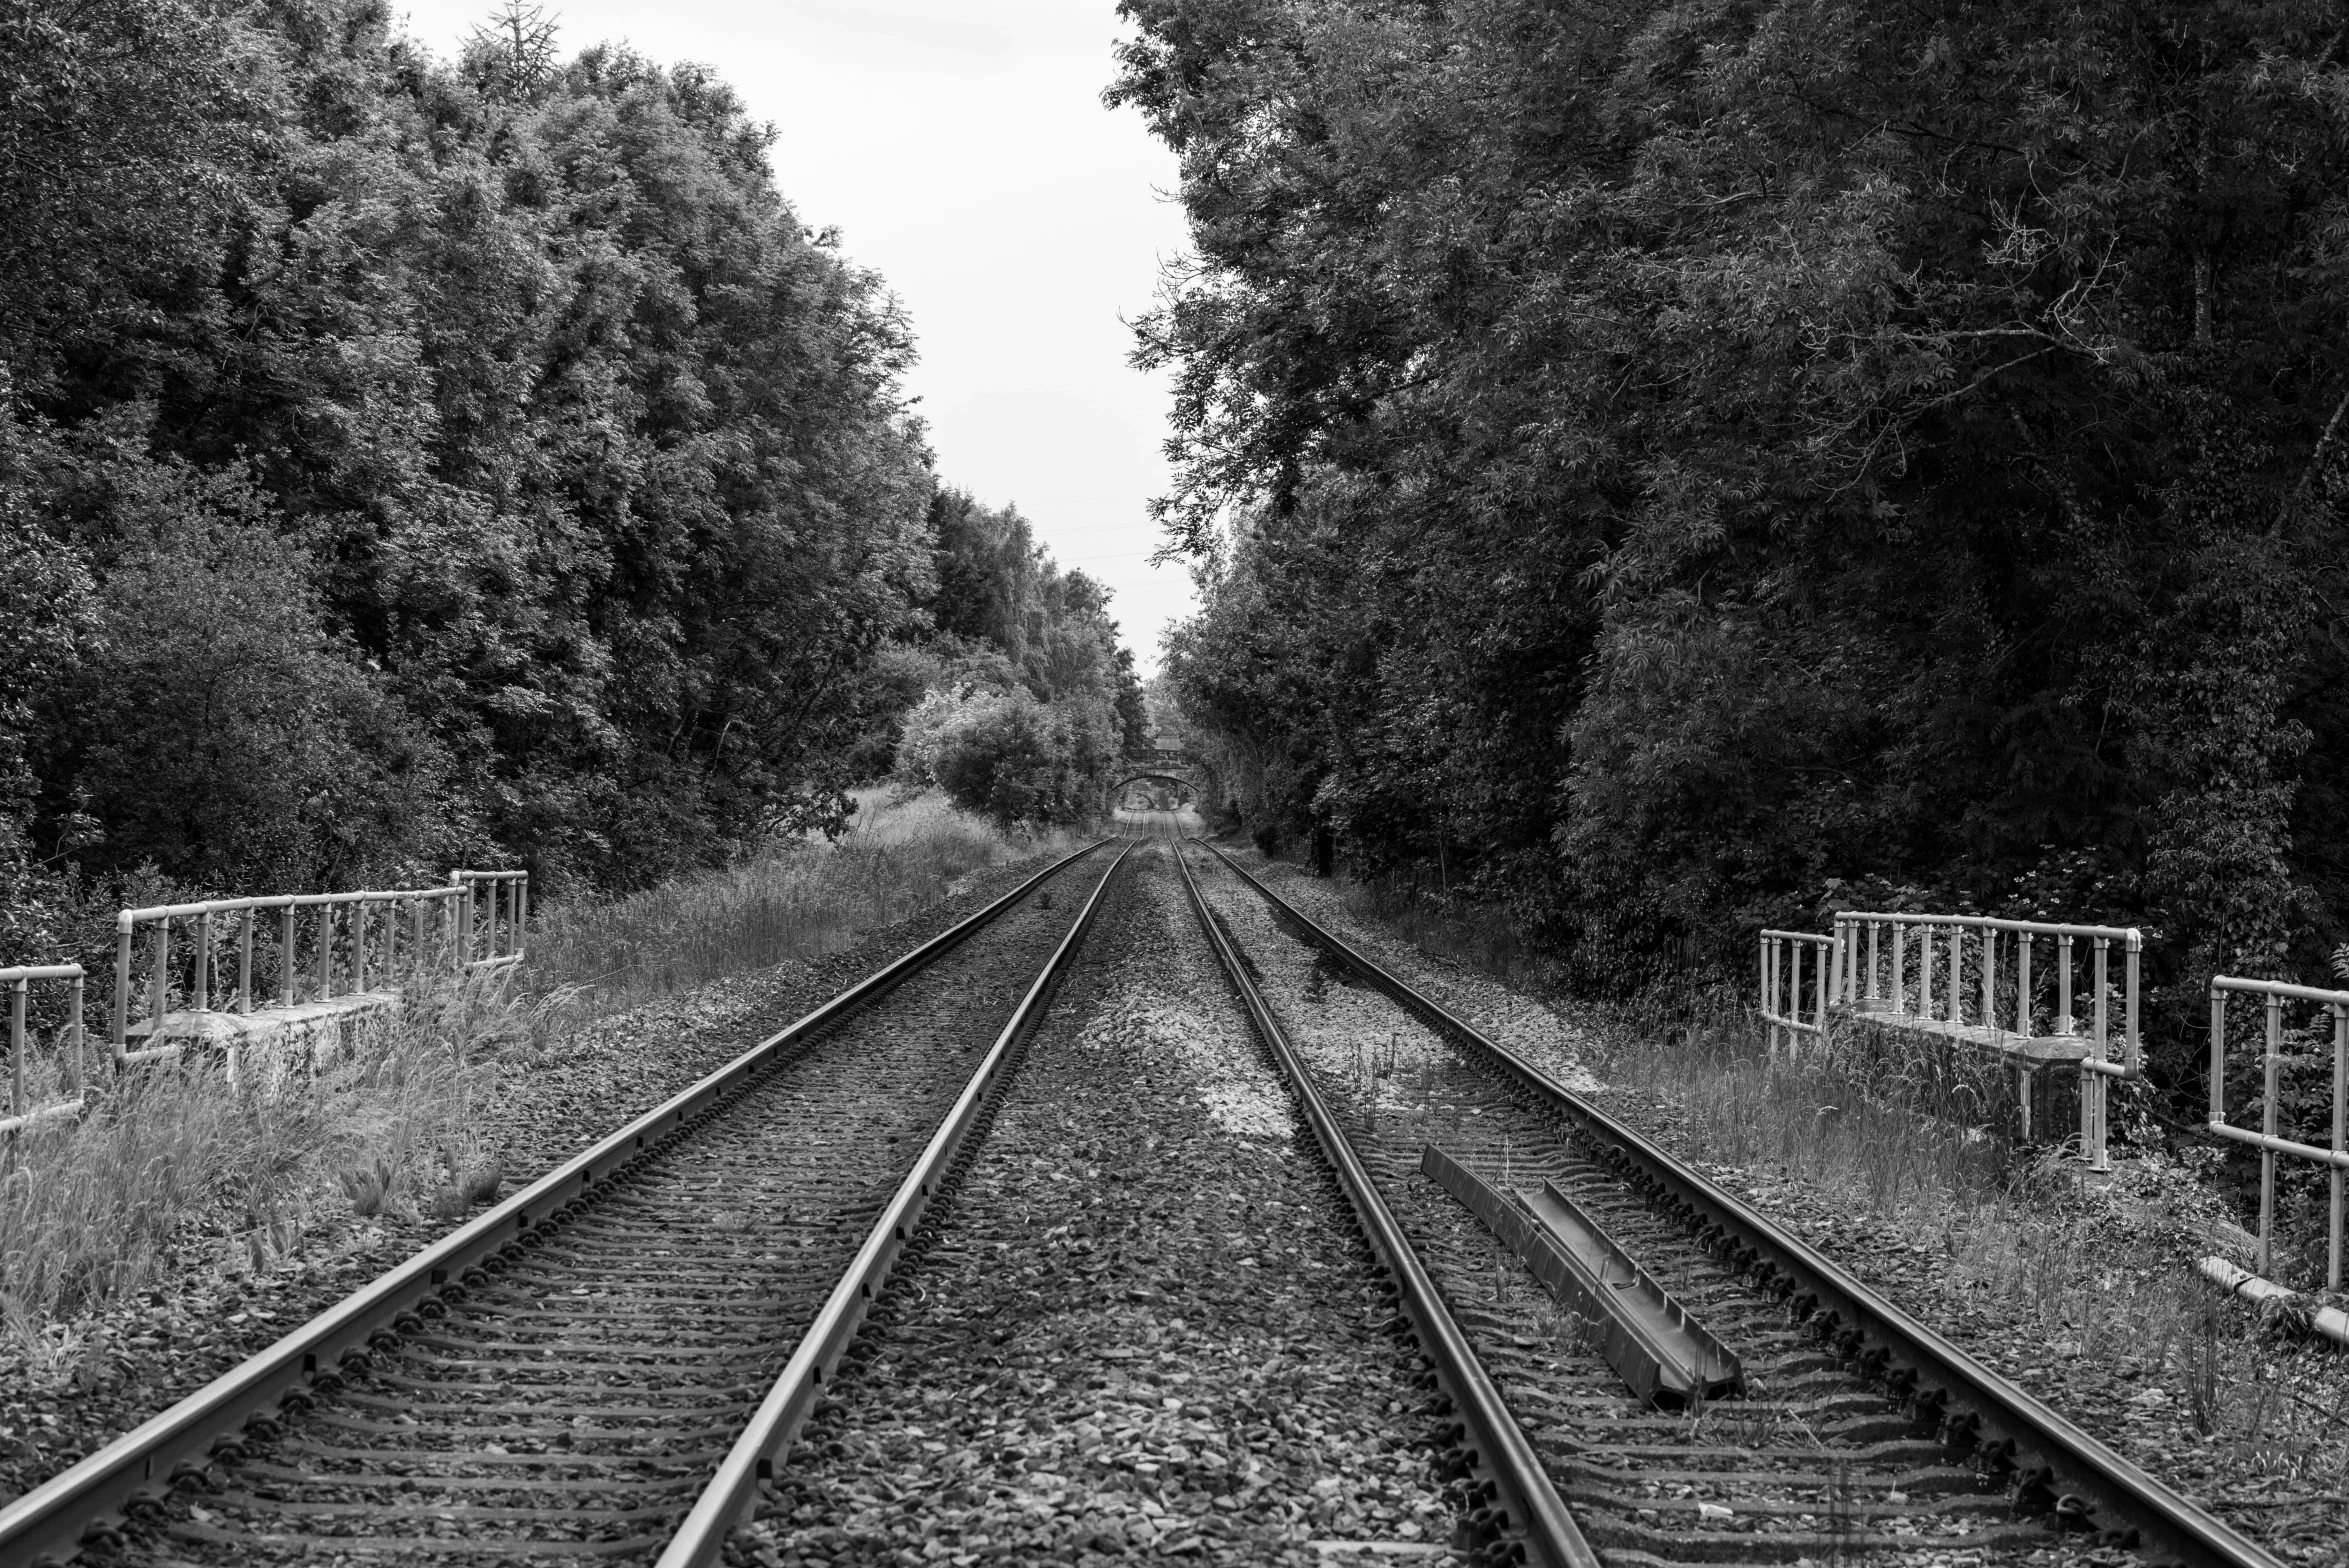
[1880,976]
[2274,994]
[22,1112]
[501,942]
[1863,968]
[354,944]
[1783,954]
[2006,1016]
[367,935]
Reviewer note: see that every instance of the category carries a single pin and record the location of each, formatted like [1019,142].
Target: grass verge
[797,900]
[171,1171]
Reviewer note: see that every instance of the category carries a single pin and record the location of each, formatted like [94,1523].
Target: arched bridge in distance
[1163,765]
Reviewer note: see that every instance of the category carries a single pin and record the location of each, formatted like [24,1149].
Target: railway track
[1142,1325]
[1859,1432]
[611,1364]
[605,1365]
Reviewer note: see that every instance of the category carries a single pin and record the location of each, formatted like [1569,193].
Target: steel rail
[1935,1372]
[732,1494]
[1498,1443]
[55,1520]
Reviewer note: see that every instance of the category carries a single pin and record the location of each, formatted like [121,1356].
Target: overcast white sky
[962,150]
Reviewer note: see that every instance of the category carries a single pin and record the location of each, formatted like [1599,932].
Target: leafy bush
[1015,759]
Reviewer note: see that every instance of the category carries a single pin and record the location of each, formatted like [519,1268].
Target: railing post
[1957,971]
[285,955]
[1873,927]
[1990,981]
[118,1028]
[204,940]
[1770,989]
[2063,976]
[245,959]
[2023,986]
[2267,1125]
[2340,1126]
[2092,1083]
[81,1054]
[359,945]
[1830,976]
[16,1004]
[2218,1055]
[1927,947]
[1900,977]
[159,983]
[1794,995]
[325,951]
[465,927]
[2131,1042]
[521,912]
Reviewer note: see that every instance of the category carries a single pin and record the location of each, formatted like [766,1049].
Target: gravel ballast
[1142,1324]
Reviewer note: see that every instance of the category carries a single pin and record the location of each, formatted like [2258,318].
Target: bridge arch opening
[1154,792]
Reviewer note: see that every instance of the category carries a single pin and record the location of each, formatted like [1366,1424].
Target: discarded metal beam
[1654,1345]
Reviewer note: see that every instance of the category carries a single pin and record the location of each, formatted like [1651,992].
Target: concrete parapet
[265,1050]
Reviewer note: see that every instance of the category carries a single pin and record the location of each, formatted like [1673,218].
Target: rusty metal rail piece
[1978,1410]
[52,1522]
[1654,1344]
[1502,1450]
[732,1494]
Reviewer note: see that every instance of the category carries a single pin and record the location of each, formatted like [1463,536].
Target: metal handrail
[517,901]
[370,945]
[2266,1141]
[324,969]
[2096,1066]
[21,1113]
[1781,981]
[2001,923]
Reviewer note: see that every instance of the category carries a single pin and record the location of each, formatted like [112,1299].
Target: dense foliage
[1679,466]
[1028,701]
[407,464]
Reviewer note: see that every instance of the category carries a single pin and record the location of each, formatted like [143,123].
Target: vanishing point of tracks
[610,1363]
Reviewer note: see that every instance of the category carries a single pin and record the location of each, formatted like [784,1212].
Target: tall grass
[797,900]
[172,1170]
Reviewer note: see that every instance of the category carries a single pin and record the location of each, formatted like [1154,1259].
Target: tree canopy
[408,462]
[1688,466]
